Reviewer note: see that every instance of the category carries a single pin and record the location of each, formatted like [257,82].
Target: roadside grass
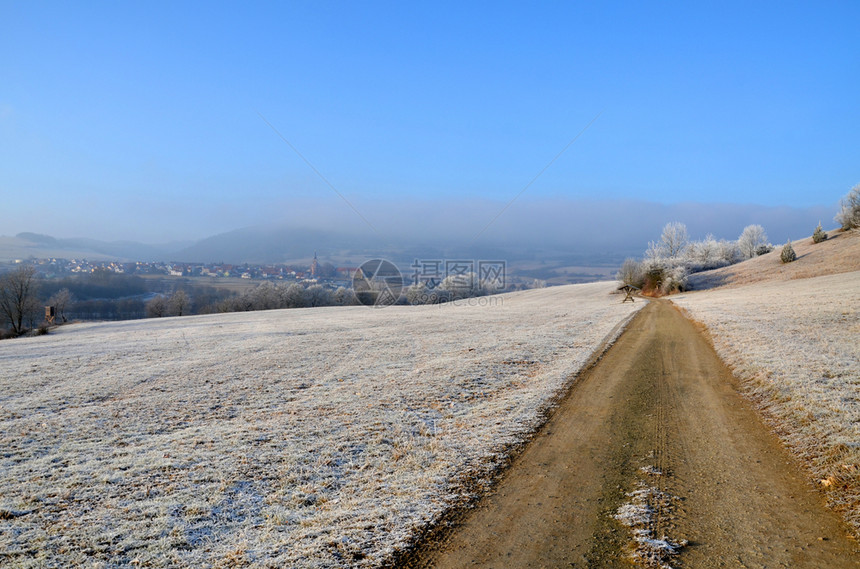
[325,437]
[794,346]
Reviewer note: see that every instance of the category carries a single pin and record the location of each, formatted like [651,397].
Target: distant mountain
[131,250]
[39,239]
[289,244]
[26,245]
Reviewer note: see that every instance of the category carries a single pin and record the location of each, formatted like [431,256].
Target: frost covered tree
[711,253]
[702,253]
[849,214]
[674,239]
[788,255]
[266,296]
[673,242]
[751,238]
[295,296]
[819,235]
[318,295]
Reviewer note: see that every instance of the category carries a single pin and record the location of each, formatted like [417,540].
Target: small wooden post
[50,314]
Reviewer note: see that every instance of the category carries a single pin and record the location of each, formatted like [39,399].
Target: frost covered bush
[662,278]
[452,287]
[819,235]
[343,297]
[711,254]
[417,293]
[668,262]
[674,280]
[318,295]
[653,275]
[788,255]
[764,249]
[462,286]
[849,215]
[271,296]
[420,293]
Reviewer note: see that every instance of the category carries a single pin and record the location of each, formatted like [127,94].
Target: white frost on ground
[795,345]
[651,470]
[321,437]
[640,516]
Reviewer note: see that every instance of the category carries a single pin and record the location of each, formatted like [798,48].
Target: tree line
[669,261]
[100,295]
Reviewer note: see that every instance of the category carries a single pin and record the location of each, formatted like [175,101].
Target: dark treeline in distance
[106,295]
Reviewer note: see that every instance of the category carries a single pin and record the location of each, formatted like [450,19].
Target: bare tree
[631,273]
[157,307]
[179,303]
[60,300]
[751,238]
[18,297]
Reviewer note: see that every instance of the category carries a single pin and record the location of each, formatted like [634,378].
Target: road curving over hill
[654,458]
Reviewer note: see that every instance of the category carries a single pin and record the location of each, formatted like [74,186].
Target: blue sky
[142,120]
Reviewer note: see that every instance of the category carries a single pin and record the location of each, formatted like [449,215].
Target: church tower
[315,266]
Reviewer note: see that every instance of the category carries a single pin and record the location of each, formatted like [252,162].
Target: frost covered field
[318,437]
[795,345]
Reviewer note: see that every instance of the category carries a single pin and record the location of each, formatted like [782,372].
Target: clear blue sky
[140,119]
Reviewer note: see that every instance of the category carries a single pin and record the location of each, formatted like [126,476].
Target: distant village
[322,273]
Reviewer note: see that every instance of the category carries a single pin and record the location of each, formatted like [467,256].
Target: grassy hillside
[838,254]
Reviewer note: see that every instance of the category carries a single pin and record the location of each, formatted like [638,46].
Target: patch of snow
[640,516]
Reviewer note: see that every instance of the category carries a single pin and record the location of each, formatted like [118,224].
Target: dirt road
[654,436]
